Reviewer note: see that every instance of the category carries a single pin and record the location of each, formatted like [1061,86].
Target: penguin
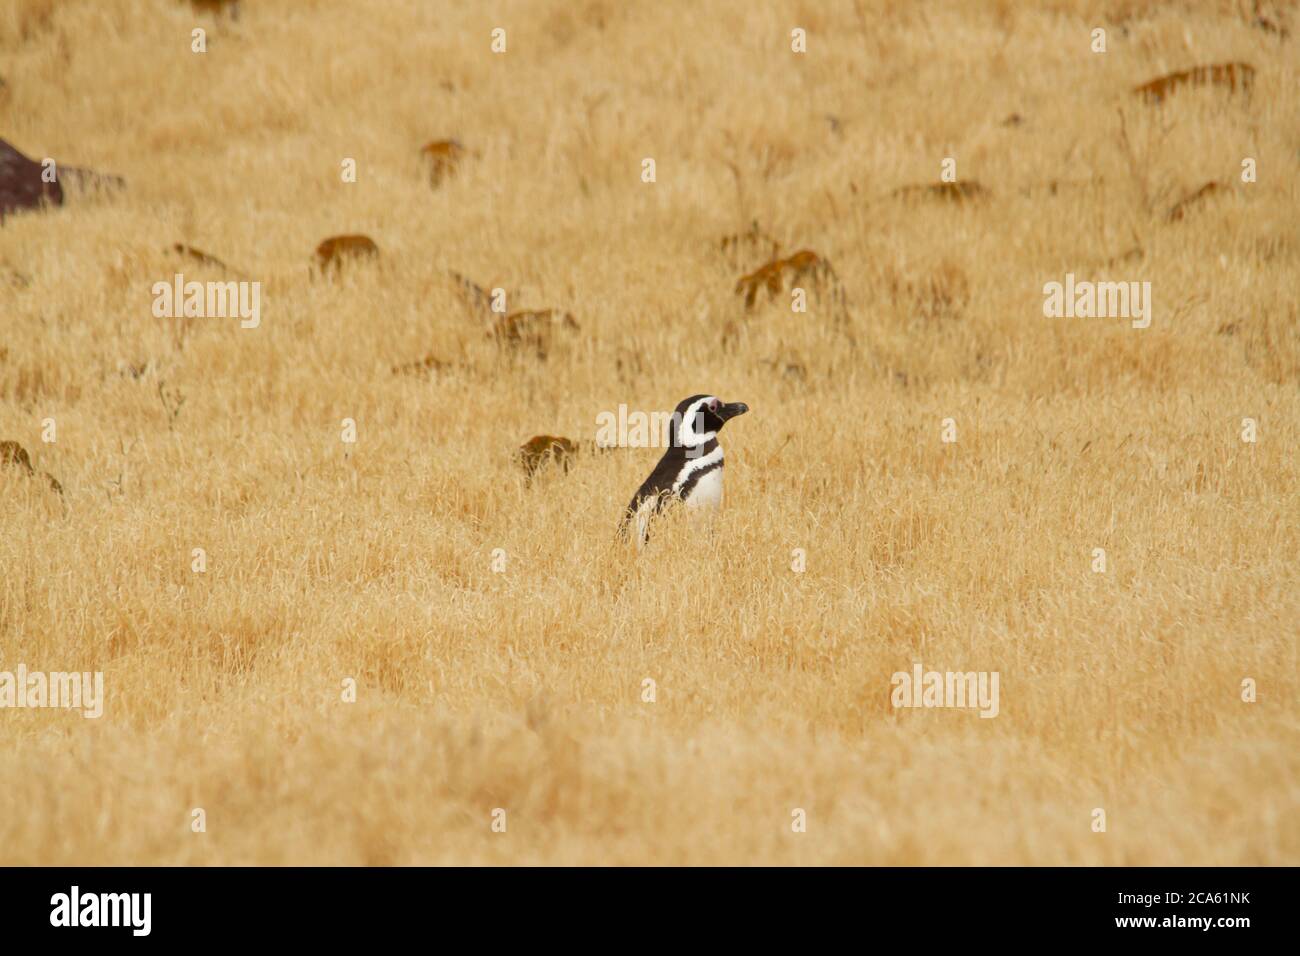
[691,468]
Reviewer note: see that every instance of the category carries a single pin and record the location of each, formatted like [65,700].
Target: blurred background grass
[522,690]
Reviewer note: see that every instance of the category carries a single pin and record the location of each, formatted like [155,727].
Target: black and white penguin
[691,468]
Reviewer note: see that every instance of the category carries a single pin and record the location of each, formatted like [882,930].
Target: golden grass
[523,689]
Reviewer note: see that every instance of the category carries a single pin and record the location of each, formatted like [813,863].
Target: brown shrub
[804,264]
[15,455]
[540,449]
[444,157]
[1230,75]
[12,453]
[332,251]
[216,7]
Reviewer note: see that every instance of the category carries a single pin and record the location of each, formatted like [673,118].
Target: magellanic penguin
[691,468]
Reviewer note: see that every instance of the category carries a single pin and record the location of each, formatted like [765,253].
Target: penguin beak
[727,412]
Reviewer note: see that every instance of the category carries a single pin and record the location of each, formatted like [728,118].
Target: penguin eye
[713,404]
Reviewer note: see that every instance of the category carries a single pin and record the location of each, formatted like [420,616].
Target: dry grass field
[522,689]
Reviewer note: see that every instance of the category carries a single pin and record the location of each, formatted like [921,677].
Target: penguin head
[699,418]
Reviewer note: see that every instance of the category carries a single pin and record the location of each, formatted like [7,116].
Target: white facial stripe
[686,429]
[712,458]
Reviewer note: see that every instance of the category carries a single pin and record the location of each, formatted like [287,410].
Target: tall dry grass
[522,690]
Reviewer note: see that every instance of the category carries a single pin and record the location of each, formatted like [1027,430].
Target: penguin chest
[707,492]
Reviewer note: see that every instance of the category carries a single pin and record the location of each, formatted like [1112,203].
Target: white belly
[707,492]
